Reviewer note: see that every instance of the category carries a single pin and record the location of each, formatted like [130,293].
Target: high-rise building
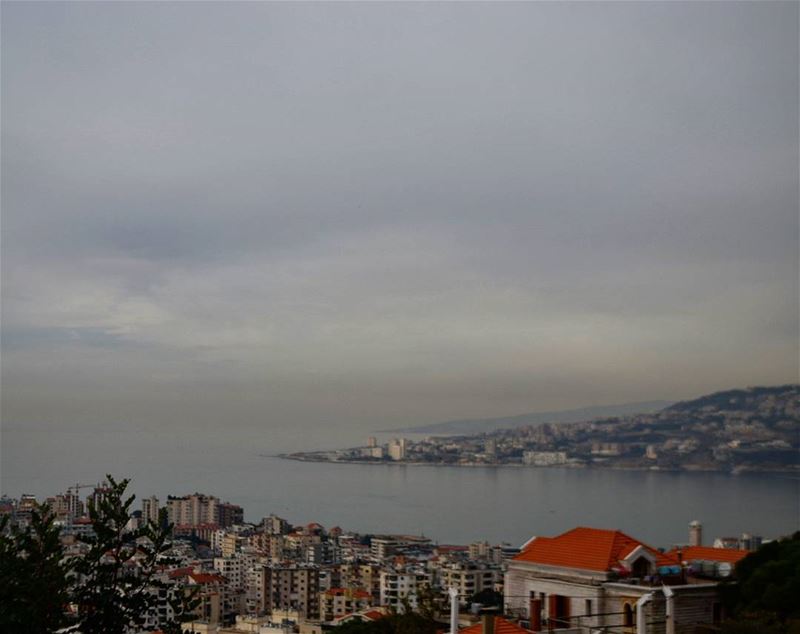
[150,509]
[293,587]
[68,506]
[229,514]
[275,525]
[192,510]
[397,449]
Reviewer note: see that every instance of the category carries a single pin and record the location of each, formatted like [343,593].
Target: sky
[374,214]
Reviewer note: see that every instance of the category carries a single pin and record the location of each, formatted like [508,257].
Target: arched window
[627,615]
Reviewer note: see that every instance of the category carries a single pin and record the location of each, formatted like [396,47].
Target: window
[587,606]
[627,615]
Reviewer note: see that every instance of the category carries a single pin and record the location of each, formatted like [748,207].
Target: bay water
[448,504]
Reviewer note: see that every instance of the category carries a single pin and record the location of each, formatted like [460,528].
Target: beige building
[544,458]
[361,576]
[469,578]
[192,510]
[150,509]
[397,449]
[337,602]
[294,587]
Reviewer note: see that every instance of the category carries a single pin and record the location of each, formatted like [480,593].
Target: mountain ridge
[480,425]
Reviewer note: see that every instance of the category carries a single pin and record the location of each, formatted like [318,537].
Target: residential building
[544,458]
[192,510]
[275,525]
[590,579]
[397,588]
[337,602]
[291,587]
[397,449]
[150,509]
[469,578]
[229,514]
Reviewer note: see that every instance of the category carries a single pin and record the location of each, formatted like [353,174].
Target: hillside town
[756,429]
[270,576]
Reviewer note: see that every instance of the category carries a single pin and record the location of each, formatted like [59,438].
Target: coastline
[304,457]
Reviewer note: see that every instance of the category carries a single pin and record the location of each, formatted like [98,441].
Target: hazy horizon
[223,216]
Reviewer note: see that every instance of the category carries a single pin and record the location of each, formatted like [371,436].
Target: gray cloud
[402,211]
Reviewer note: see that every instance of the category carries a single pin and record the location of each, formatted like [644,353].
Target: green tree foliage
[488,598]
[114,585]
[764,597]
[430,602]
[33,576]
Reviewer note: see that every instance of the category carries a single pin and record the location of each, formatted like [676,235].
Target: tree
[114,585]
[33,576]
[488,598]
[764,595]
[430,602]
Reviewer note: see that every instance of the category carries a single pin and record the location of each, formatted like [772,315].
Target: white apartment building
[398,587]
[544,458]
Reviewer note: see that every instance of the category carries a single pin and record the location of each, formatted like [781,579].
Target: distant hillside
[482,425]
[751,399]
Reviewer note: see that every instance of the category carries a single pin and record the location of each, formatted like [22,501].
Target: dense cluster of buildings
[269,576]
[754,429]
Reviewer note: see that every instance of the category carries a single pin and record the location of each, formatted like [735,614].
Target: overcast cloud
[393,213]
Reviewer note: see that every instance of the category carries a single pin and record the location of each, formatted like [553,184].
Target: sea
[451,505]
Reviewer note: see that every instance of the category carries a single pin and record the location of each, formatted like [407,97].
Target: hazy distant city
[740,430]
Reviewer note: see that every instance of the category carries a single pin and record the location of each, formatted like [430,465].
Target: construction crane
[78,486]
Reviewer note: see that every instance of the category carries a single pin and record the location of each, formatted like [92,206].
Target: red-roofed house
[364,616]
[690,554]
[590,578]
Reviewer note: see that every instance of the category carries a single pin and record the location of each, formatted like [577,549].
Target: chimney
[535,609]
[488,623]
[695,533]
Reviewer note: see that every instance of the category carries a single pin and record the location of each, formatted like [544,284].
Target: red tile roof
[690,553]
[501,626]
[370,615]
[203,577]
[587,549]
[357,594]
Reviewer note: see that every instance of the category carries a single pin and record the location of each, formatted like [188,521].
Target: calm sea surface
[449,504]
